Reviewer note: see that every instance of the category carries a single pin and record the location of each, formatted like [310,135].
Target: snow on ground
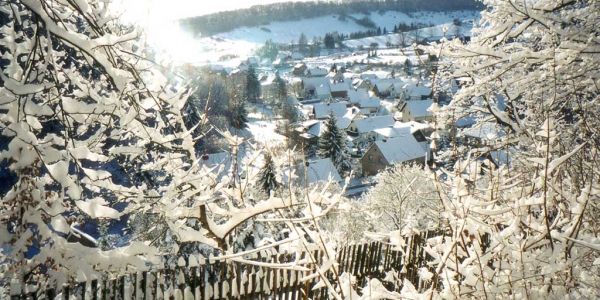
[261,124]
[285,32]
[228,49]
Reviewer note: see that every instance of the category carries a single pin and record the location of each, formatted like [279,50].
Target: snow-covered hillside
[243,41]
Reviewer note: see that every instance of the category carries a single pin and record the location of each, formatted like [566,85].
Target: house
[355,96]
[421,132]
[317,72]
[320,170]
[386,87]
[316,88]
[484,134]
[420,92]
[252,61]
[371,104]
[339,90]
[299,69]
[336,77]
[352,113]
[321,110]
[387,152]
[309,131]
[417,110]
[363,130]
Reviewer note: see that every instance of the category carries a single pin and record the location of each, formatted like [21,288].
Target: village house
[371,105]
[299,69]
[384,88]
[322,110]
[314,171]
[339,90]
[316,72]
[320,170]
[417,110]
[363,130]
[355,96]
[387,152]
[316,88]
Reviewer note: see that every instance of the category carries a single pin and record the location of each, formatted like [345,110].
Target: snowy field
[240,43]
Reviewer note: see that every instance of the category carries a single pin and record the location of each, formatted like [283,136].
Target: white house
[417,110]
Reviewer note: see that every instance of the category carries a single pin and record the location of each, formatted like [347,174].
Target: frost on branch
[89,125]
[524,226]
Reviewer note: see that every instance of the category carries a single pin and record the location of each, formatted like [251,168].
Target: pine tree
[239,117]
[266,177]
[279,87]
[332,144]
[252,85]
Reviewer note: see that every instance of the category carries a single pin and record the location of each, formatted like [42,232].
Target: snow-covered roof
[343,122]
[419,91]
[351,112]
[339,87]
[419,108]
[321,110]
[392,132]
[315,82]
[485,131]
[317,71]
[370,103]
[319,170]
[355,96]
[400,149]
[372,123]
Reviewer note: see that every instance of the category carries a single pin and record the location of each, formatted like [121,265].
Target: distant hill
[260,15]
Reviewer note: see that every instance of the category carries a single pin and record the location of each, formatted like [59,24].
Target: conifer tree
[239,116]
[279,88]
[252,85]
[266,177]
[332,144]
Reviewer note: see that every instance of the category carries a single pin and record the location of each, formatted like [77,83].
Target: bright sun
[159,20]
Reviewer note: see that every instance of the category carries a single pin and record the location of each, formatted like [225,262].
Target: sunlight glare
[161,31]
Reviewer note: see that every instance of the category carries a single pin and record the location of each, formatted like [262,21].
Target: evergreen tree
[252,85]
[329,41]
[239,117]
[332,144]
[279,88]
[302,42]
[268,50]
[266,176]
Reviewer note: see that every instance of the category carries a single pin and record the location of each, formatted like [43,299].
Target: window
[370,157]
[380,160]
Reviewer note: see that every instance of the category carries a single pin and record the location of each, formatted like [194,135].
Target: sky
[158,17]
[175,9]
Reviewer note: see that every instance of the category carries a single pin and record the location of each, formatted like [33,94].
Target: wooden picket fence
[220,279]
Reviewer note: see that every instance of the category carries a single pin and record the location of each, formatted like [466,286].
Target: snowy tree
[81,110]
[403,198]
[332,144]
[239,115]
[266,177]
[94,133]
[252,85]
[279,88]
[528,228]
